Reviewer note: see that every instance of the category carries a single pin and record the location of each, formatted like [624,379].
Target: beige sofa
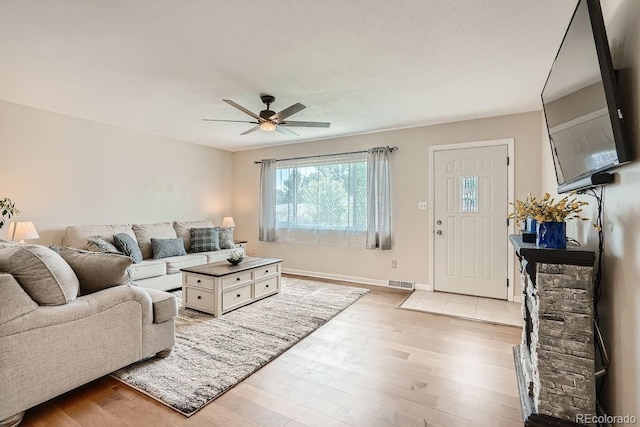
[162,274]
[60,330]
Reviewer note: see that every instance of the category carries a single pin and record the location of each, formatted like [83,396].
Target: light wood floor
[372,365]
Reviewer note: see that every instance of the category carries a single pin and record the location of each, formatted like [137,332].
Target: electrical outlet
[422,206]
[394,263]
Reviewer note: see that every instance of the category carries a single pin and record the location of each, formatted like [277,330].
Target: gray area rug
[211,355]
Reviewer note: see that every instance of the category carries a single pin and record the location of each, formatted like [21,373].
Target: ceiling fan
[269,120]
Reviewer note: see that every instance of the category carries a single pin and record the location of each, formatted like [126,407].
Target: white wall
[410,185]
[619,307]
[61,170]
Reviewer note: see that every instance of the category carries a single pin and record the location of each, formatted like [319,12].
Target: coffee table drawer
[236,296]
[266,271]
[266,286]
[198,298]
[236,279]
[196,280]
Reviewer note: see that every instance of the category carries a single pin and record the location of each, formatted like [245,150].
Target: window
[468,194]
[322,199]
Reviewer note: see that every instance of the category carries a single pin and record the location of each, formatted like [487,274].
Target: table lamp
[227,222]
[21,231]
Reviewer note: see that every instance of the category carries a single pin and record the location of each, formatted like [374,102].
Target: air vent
[401,285]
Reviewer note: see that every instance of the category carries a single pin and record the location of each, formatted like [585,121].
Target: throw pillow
[183,230]
[96,270]
[41,272]
[226,237]
[205,239]
[100,244]
[165,248]
[15,301]
[128,246]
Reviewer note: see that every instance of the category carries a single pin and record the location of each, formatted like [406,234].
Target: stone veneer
[559,363]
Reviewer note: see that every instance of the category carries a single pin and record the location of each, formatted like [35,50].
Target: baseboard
[340,277]
[517,298]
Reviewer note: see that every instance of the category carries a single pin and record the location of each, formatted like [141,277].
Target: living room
[63,170]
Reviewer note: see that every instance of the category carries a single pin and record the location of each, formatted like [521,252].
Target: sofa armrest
[80,308]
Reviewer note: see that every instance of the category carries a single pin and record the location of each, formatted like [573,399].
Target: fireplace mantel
[555,362]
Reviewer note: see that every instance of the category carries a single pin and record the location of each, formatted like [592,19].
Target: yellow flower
[547,209]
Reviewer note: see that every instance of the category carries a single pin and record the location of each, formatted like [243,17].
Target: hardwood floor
[372,365]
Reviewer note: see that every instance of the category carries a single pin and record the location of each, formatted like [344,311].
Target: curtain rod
[391,150]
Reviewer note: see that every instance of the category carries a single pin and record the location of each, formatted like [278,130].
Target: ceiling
[160,66]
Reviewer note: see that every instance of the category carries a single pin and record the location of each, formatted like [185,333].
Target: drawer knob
[267,286]
[266,271]
[238,295]
[198,281]
[199,296]
[238,279]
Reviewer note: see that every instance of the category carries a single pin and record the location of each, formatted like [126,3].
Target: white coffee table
[220,287]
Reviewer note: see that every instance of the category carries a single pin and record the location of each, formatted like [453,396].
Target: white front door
[470,210]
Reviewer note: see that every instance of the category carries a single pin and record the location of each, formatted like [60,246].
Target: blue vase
[551,235]
[531,225]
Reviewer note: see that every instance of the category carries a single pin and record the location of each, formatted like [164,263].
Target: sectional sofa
[163,273]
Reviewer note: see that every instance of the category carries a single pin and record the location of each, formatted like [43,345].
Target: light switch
[422,205]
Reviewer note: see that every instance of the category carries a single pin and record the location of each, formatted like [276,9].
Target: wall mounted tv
[581,104]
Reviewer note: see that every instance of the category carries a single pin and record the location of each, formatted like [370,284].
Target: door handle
[439,232]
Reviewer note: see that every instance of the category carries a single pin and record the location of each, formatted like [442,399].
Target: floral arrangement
[547,209]
[7,209]
[236,256]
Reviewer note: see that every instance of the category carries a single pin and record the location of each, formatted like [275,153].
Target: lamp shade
[227,221]
[22,231]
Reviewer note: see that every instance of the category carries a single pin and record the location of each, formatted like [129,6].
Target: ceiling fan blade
[244,110]
[306,124]
[232,121]
[285,131]
[253,129]
[289,111]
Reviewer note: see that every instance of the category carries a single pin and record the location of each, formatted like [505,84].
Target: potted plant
[550,217]
[7,209]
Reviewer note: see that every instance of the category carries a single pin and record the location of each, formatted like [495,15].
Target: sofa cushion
[204,239]
[165,248]
[165,306]
[96,270]
[226,237]
[144,233]
[148,268]
[77,236]
[174,264]
[128,246]
[221,255]
[182,230]
[41,272]
[15,301]
[101,244]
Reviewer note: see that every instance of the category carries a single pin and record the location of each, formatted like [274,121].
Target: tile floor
[476,308]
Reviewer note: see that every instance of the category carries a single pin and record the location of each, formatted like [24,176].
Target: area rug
[211,355]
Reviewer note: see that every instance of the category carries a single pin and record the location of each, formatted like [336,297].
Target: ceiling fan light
[268,126]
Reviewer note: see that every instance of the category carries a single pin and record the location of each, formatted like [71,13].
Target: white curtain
[267,231]
[378,199]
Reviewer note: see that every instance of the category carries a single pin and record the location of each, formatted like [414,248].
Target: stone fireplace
[555,362]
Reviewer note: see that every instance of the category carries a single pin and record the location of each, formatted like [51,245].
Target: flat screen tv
[581,104]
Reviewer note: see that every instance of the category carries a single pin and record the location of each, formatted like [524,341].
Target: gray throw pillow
[101,244]
[41,272]
[205,239]
[96,270]
[128,246]
[226,237]
[164,248]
